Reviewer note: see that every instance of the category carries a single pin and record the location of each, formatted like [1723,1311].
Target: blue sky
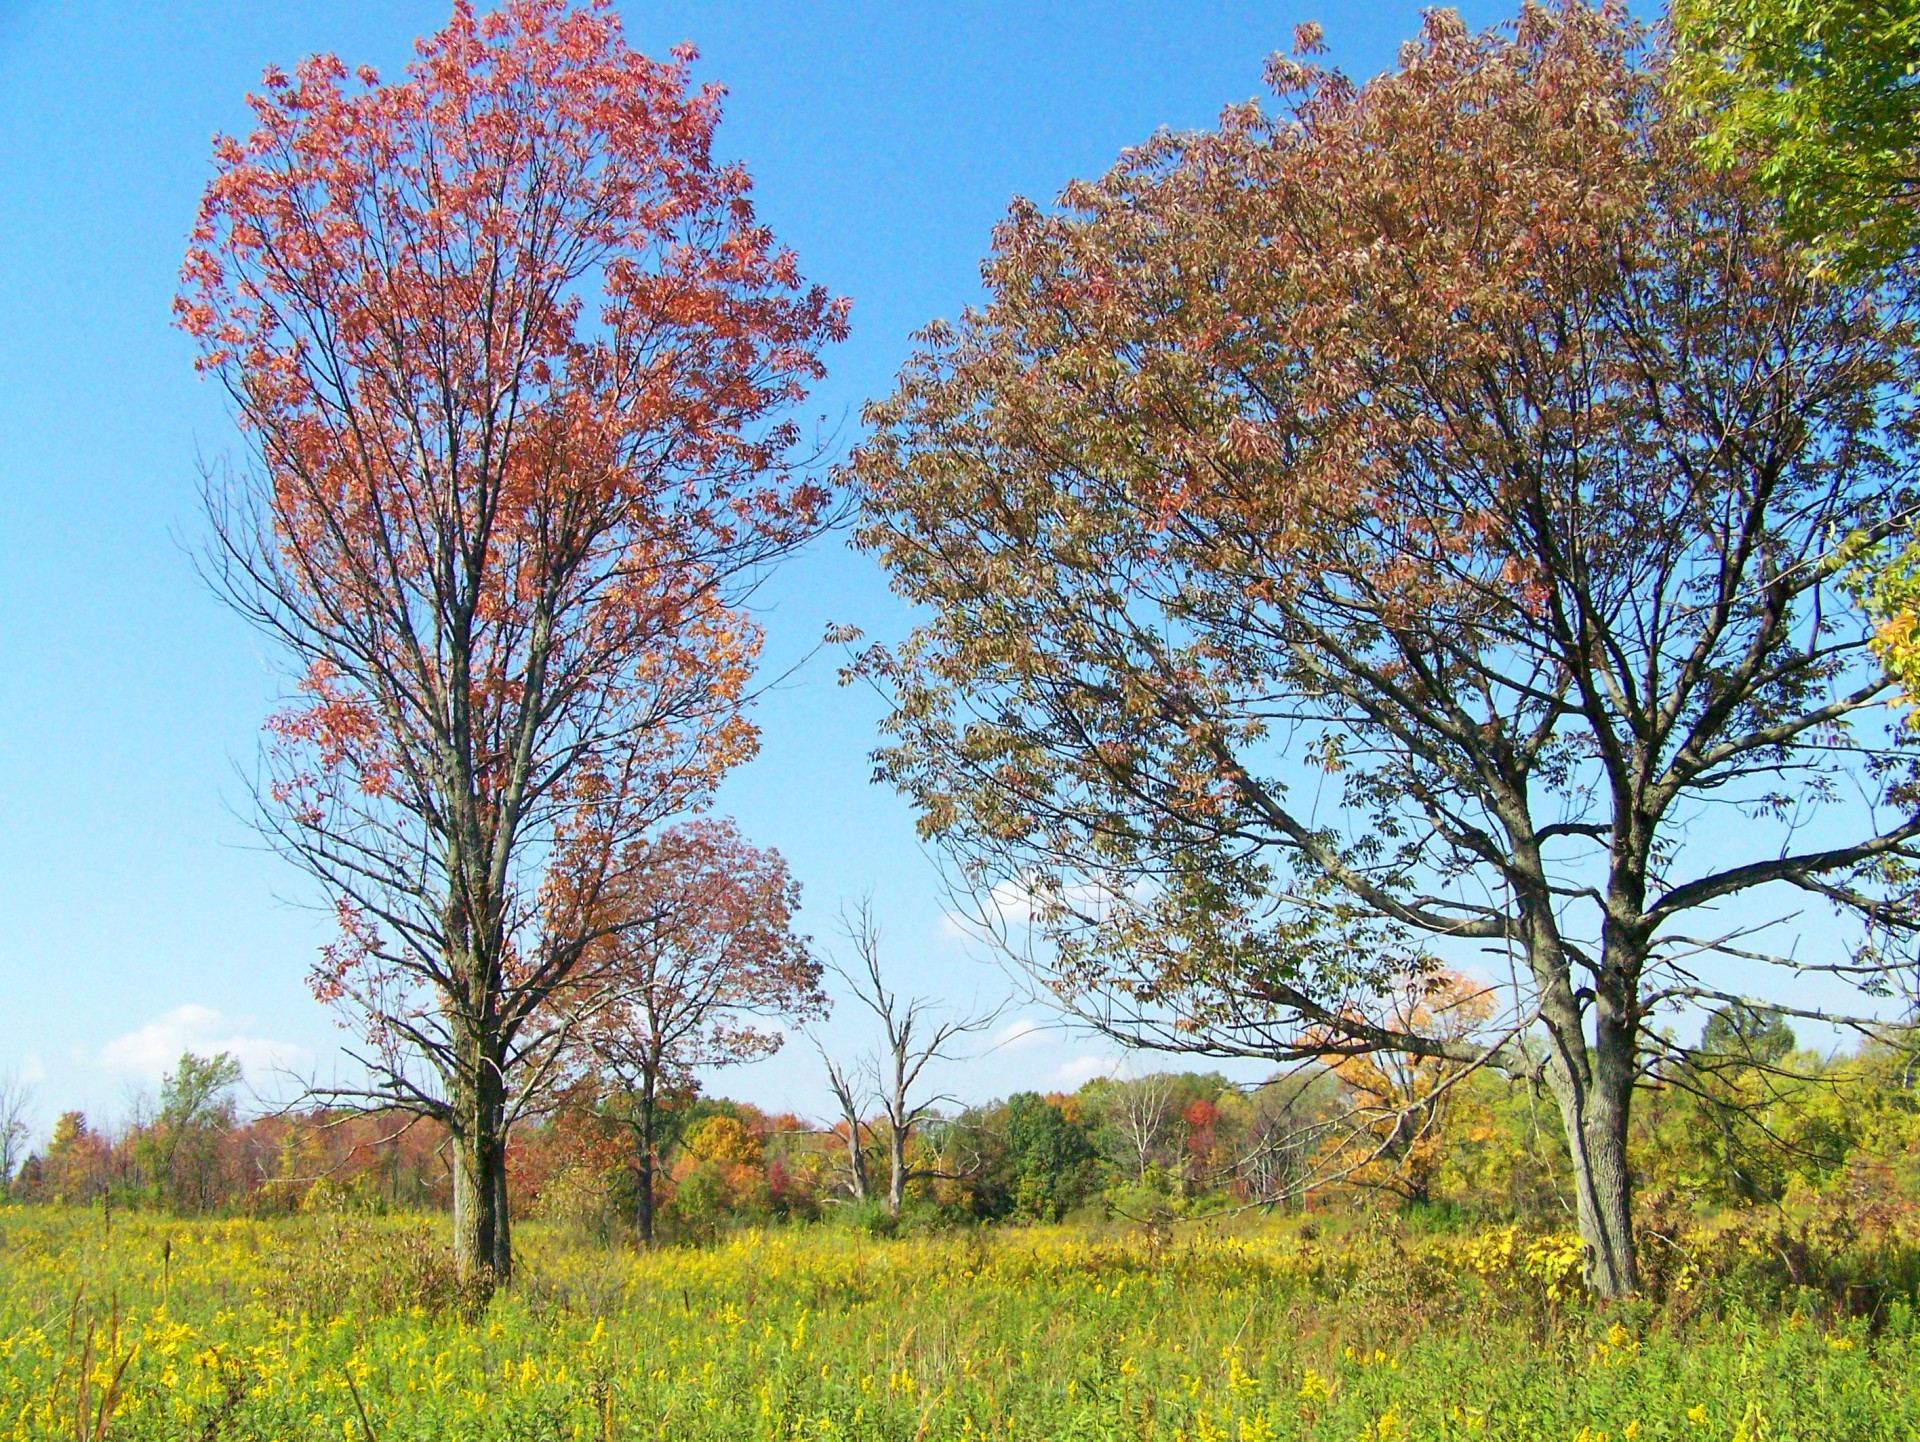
[137,915]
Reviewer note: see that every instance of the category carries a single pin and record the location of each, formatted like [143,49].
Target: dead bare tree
[16,1105]
[1140,1117]
[915,1032]
[844,1084]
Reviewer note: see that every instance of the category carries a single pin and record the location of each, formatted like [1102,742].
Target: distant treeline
[1750,1120]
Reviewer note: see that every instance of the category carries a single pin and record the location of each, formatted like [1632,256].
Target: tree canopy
[1819,96]
[1397,526]
[511,352]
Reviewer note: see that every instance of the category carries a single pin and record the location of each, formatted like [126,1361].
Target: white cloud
[1083,1069]
[1022,1031]
[1012,907]
[1006,908]
[154,1049]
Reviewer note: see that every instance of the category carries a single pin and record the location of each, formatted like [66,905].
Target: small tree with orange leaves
[701,968]
[1392,1135]
[510,352]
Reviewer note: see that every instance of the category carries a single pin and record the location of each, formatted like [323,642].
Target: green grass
[318,1328]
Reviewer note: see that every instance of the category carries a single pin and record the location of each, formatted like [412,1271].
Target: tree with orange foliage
[510,353]
[721,1172]
[1392,1135]
[700,967]
[76,1165]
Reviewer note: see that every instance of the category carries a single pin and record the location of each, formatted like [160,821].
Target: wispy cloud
[1011,908]
[154,1049]
[1004,909]
[1083,1069]
[1022,1031]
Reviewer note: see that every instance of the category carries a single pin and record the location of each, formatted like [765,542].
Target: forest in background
[1750,1127]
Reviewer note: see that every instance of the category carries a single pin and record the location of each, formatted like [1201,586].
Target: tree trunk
[475,1212]
[502,1219]
[897,1174]
[843,1093]
[643,1204]
[482,1243]
[856,1160]
[1594,1089]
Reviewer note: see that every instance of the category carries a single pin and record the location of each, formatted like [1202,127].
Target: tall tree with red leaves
[510,353]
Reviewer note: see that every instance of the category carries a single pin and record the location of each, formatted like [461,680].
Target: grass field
[322,1328]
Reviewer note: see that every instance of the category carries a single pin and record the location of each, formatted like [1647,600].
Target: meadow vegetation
[1094,1264]
[359,1328]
